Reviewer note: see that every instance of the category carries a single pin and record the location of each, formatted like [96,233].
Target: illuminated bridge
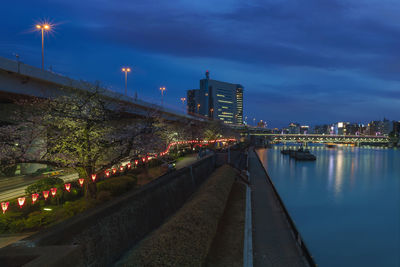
[317,138]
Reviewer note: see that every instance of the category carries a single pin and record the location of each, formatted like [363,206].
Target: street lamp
[42,28]
[126,70]
[183,99]
[162,89]
[198,108]
[211,111]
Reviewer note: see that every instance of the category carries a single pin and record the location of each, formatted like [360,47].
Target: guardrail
[296,233]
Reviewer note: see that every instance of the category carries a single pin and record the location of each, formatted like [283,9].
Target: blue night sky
[309,61]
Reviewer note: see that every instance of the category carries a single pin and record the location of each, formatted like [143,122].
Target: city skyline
[297,63]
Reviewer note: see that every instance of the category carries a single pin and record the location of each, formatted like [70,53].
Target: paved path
[273,242]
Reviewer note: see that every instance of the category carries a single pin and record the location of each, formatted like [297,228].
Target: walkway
[273,242]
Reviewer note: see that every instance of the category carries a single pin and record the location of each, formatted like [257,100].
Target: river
[346,204]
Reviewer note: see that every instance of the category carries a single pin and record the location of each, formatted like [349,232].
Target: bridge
[318,138]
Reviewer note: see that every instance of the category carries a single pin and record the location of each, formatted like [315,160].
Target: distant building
[217,100]
[396,128]
[294,128]
[322,129]
[192,100]
[304,129]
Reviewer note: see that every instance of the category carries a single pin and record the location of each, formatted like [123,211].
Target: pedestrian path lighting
[53,191]
[46,194]
[4,206]
[35,197]
[126,70]
[67,187]
[21,201]
[43,27]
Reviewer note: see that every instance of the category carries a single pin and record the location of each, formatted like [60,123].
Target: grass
[227,247]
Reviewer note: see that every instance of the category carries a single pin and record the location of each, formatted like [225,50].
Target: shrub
[45,184]
[184,240]
[104,196]
[117,185]
[38,219]
[78,206]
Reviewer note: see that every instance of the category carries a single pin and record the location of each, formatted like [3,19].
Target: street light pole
[162,89]
[42,28]
[183,103]
[126,70]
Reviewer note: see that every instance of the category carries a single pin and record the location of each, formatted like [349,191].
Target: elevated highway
[19,80]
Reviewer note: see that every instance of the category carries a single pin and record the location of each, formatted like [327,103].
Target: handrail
[296,232]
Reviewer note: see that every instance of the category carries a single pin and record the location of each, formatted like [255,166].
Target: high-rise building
[217,100]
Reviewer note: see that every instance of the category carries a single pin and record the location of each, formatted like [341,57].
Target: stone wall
[100,236]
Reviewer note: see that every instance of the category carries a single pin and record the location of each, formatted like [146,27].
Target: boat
[302,154]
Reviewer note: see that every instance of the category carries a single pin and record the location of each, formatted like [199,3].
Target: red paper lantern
[129,165]
[143,159]
[136,162]
[46,194]
[121,168]
[34,198]
[4,206]
[81,181]
[67,187]
[93,177]
[21,201]
[53,191]
[114,170]
[107,173]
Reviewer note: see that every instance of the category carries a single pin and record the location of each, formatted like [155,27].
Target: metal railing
[306,253]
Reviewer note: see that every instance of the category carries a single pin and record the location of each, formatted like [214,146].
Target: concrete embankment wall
[100,236]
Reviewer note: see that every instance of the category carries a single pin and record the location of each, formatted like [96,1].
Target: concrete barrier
[100,236]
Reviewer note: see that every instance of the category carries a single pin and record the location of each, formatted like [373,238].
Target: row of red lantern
[35,197]
[53,191]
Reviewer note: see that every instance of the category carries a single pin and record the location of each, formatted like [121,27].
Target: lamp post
[42,28]
[183,99]
[126,70]
[162,89]
[212,113]
[198,108]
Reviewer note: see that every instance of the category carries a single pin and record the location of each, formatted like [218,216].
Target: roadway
[14,187]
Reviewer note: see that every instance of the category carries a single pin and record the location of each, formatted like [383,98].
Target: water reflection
[347,196]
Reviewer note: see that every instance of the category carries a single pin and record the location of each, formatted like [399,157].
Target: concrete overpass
[18,79]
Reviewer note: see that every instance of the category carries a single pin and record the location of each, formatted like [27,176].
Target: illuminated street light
[212,112]
[126,70]
[183,99]
[198,108]
[43,27]
[162,89]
